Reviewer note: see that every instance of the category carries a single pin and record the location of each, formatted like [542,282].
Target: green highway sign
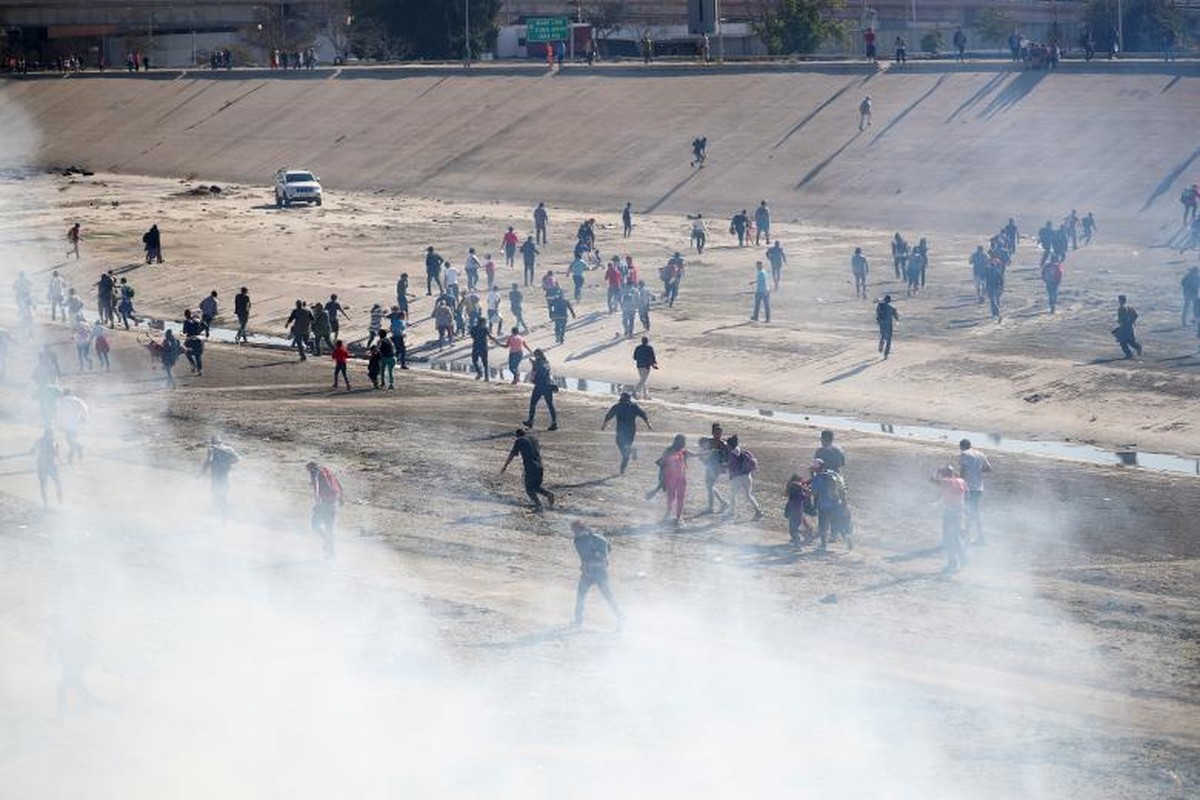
[547,29]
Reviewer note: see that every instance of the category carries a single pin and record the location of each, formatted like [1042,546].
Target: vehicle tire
[278,201]
[318,201]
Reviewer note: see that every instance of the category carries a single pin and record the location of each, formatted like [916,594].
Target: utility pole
[466,33]
[1120,29]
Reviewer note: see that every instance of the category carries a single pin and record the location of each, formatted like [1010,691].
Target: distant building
[171,32]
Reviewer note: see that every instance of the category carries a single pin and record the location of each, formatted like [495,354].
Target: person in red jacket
[327,496]
[510,243]
[341,356]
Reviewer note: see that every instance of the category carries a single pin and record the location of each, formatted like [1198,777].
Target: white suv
[296,186]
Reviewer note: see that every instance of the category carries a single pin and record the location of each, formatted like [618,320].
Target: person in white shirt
[972,464]
[72,414]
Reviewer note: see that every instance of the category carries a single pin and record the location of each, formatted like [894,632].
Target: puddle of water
[1062,451]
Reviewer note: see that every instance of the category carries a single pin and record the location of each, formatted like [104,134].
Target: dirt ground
[1062,661]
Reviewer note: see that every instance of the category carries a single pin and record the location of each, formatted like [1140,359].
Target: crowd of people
[469,305]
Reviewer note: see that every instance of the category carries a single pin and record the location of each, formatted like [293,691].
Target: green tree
[994,25]
[605,17]
[798,26]
[432,29]
[932,41]
[1144,22]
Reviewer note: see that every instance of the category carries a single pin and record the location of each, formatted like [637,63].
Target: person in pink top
[672,468]
[953,491]
[516,350]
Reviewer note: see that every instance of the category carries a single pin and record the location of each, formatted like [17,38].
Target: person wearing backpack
[544,388]
[218,462]
[1052,275]
[885,317]
[799,504]
[327,496]
[1189,197]
[742,465]
[1127,317]
[829,496]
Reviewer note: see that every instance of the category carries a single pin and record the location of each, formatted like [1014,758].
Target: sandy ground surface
[152,648]
[1050,376]
[432,656]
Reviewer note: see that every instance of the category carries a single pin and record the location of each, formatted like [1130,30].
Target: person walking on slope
[762,223]
[699,233]
[1127,317]
[886,316]
[541,218]
[645,360]
[327,496]
[1052,276]
[73,238]
[1190,286]
[593,550]
[859,266]
[527,447]
[762,292]
[777,258]
[864,113]
[626,413]
[627,221]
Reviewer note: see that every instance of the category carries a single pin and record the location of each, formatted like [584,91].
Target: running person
[644,358]
[593,550]
[218,463]
[327,496]
[543,389]
[531,461]
[45,449]
[626,412]
[885,317]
